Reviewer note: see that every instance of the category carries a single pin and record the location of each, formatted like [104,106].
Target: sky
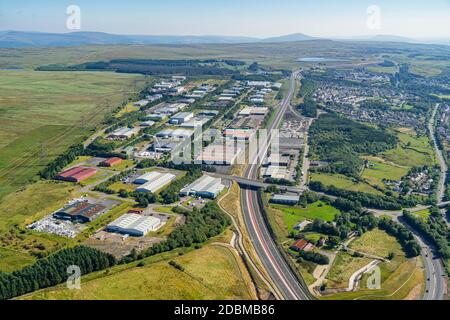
[255,18]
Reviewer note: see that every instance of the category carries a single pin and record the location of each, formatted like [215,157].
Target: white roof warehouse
[206,187]
[154,181]
[134,225]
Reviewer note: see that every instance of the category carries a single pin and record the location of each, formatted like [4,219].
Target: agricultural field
[43,113]
[412,151]
[343,182]
[212,272]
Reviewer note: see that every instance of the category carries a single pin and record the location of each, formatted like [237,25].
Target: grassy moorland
[43,113]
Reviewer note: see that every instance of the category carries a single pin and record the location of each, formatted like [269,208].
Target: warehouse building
[76,174]
[181,118]
[194,123]
[277,160]
[274,172]
[240,134]
[80,211]
[141,103]
[208,113]
[111,162]
[134,225]
[148,123]
[259,84]
[154,181]
[175,133]
[124,133]
[254,111]
[164,146]
[206,187]
[215,154]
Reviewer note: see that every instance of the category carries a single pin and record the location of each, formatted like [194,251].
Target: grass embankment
[210,273]
[231,203]
[400,277]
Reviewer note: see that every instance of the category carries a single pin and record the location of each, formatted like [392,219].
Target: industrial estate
[278,170]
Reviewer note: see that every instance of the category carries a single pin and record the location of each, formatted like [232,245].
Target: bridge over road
[255,184]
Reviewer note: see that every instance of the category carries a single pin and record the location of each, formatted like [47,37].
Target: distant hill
[290,38]
[39,39]
[17,39]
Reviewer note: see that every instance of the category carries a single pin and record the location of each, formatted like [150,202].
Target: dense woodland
[402,234]
[433,229]
[51,271]
[341,141]
[308,107]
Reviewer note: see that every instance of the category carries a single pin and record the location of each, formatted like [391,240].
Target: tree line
[402,234]
[52,271]
[434,229]
[382,202]
[55,167]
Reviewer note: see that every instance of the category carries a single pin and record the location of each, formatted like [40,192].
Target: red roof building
[111,162]
[76,174]
[302,245]
[136,211]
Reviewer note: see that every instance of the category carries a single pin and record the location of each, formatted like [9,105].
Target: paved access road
[278,269]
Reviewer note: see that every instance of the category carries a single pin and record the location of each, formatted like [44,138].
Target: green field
[43,113]
[377,243]
[37,200]
[379,171]
[343,182]
[19,209]
[423,214]
[213,272]
[412,151]
[319,210]
[11,260]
